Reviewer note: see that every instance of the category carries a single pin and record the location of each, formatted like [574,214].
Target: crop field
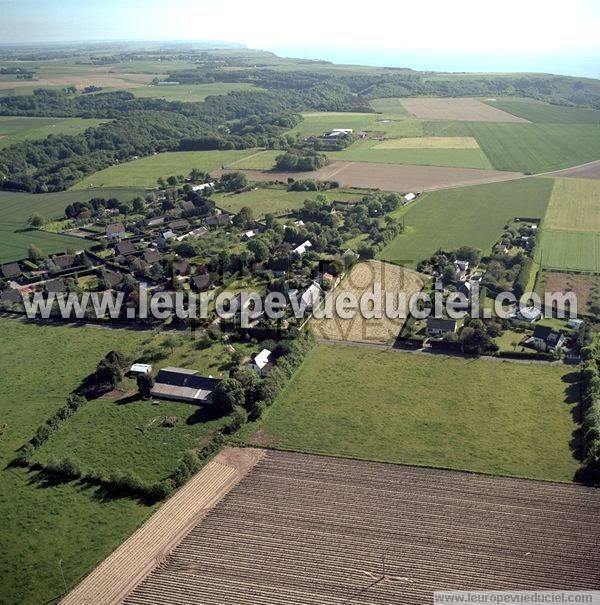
[190,93]
[537,148]
[416,151]
[588,171]
[469,110]
[311,530]
[16,129]
[278,201]
[389,177]
[260,160]
[585,287]
[574,205]
[43,524]
[389,106]
[469,216]
[543,113]
[145,171]
[430,410]
[16,208]
[569,250]
[362,279]
[92,77]
[429,143]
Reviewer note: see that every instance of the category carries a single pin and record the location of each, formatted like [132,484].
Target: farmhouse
[201,282]
[152,256]
[63,261]
[125,248]
[115,231]
[301,249]
[11,270]
[440,326]
[180,384]
[260,363]
[218,220]
[179,225]
[546,339]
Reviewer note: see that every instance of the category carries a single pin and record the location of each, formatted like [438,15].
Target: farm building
[301,249]
[260,363]
[409,197]
[180,384]
[115,231]
[440,326]
[202,186]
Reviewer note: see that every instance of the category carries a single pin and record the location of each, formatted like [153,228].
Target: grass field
[16,208]
[472,216]
[388,152]
[275,200]
[501,418]
[190,93]
[574,205]
[260,160]
[389,106]
[145,171]
[571,250]
[17,129]
[544,113]
[537,148]
[42,525]
[448,108]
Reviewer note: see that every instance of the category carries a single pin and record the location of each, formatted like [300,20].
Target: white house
[260,363]
[409,197]
[164,237]
[301,249]
[311,296]
[249,234]
[203,186]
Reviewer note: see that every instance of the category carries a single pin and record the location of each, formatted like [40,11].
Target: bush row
[590,374]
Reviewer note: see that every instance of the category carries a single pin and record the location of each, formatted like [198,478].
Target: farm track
[313,530]
[148,547]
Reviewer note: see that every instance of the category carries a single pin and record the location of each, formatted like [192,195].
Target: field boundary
[147,548]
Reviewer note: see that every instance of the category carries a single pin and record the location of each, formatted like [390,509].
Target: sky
[528,32]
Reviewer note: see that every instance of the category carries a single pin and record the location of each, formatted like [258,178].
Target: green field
[145,171]
[260,160]
[16,208]
[536,148]
[574,205]
[17,129]
[190,93]
[389,106]
[471,216]
[275,200]
[544,113]
[365,151]
[42,525]
[501,418]
[573,250]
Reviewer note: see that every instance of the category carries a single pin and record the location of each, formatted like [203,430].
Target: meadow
[574,205]
[16,208]
[543,113]
[145,171]
[570,250]
[14,130]
[476,415]
[43,524]
[535,148]
[466,216]
[190,93]
[274,200]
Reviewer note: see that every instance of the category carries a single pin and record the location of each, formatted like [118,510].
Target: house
[179,225]
[151,256]
[11,270]
[139,369]
[154,222]
[464,288]
[180,384]
[501,249]
[63,261]
[546,339]
[528,314]
[181,267]
[462,267]
[575,324]
[301,249]
[10,296]
[115,231]
[311,296]
[409,197]
[299,223]
[349,256]
[203,186]
[440,326]
[125,248]
[260,363]
[164,237]
[218,220]
[188,206]
[113,278]
[249,234]
[201,282]
[58,286]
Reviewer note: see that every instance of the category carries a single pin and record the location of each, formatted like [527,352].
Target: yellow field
[363,277]
[429,143]
[574,205]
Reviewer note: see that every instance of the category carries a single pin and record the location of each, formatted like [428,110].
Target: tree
[246,377]
[233,181]
[138,205]
[244,218]
[259,249]
[34,252]
[228,394]
[36,221]
[239,417]
[470,254]
[145,382]
[108,373]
